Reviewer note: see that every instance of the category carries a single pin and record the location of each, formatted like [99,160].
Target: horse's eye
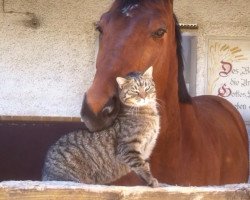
[159,33]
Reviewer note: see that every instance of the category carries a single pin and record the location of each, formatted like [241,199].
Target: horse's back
[224,128]
[222,113]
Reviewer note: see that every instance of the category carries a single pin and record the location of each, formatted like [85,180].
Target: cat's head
[137,89]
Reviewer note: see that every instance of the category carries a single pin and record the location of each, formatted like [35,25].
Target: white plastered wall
[44,71]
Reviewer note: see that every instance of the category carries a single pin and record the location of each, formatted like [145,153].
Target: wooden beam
[29,190]
[188,26]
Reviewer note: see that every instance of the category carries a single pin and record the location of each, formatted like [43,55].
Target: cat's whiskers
[161,101]
[136,109]
[158,104]
[131,110]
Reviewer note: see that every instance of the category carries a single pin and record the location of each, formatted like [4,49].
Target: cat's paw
[163,185]
[153,183]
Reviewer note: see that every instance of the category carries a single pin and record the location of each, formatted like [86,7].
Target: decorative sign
[229,72]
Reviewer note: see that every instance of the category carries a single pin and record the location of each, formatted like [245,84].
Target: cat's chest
[148,140]
[149,137]
[144,130]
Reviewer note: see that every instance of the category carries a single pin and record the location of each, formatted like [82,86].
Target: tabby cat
[103,157]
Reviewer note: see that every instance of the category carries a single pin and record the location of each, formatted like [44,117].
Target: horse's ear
[171,1]
[149,72]
[120,81]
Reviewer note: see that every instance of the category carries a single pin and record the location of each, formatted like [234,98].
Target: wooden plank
[29,190]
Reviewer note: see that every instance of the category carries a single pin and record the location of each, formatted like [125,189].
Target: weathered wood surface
[33,190]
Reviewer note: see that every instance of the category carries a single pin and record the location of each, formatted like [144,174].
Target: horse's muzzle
[103,119]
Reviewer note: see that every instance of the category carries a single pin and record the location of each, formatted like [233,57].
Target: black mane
[133,74]
[126,3]
[183,94]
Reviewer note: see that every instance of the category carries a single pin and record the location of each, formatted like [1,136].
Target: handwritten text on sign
[229,72]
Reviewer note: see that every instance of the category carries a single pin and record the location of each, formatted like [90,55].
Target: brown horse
[203,140]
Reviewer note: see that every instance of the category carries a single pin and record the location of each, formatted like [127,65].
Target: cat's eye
[133,93]
[135,87]
[147,89]
[147,86]
[136,92]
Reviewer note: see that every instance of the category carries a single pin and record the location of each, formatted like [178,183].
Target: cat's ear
[149,72]
[120,81]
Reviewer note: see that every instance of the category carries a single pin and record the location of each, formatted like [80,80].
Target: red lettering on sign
[226,67]
[224,91]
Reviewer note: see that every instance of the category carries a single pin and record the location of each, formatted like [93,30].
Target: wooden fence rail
[34,190]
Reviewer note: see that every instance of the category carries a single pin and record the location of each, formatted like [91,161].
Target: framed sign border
[222,38]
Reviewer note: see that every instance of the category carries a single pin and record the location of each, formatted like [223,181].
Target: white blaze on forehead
[128,9]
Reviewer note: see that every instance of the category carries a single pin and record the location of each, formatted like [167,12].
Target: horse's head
[133,36]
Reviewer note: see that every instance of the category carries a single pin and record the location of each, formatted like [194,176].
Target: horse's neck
[178,119]
[179,129]
[170,118]
[174,115]
[167,93]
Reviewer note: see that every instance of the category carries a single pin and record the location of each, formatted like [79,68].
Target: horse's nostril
[110,107]
[108,110]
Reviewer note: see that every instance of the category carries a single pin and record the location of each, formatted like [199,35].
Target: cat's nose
[142,94]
